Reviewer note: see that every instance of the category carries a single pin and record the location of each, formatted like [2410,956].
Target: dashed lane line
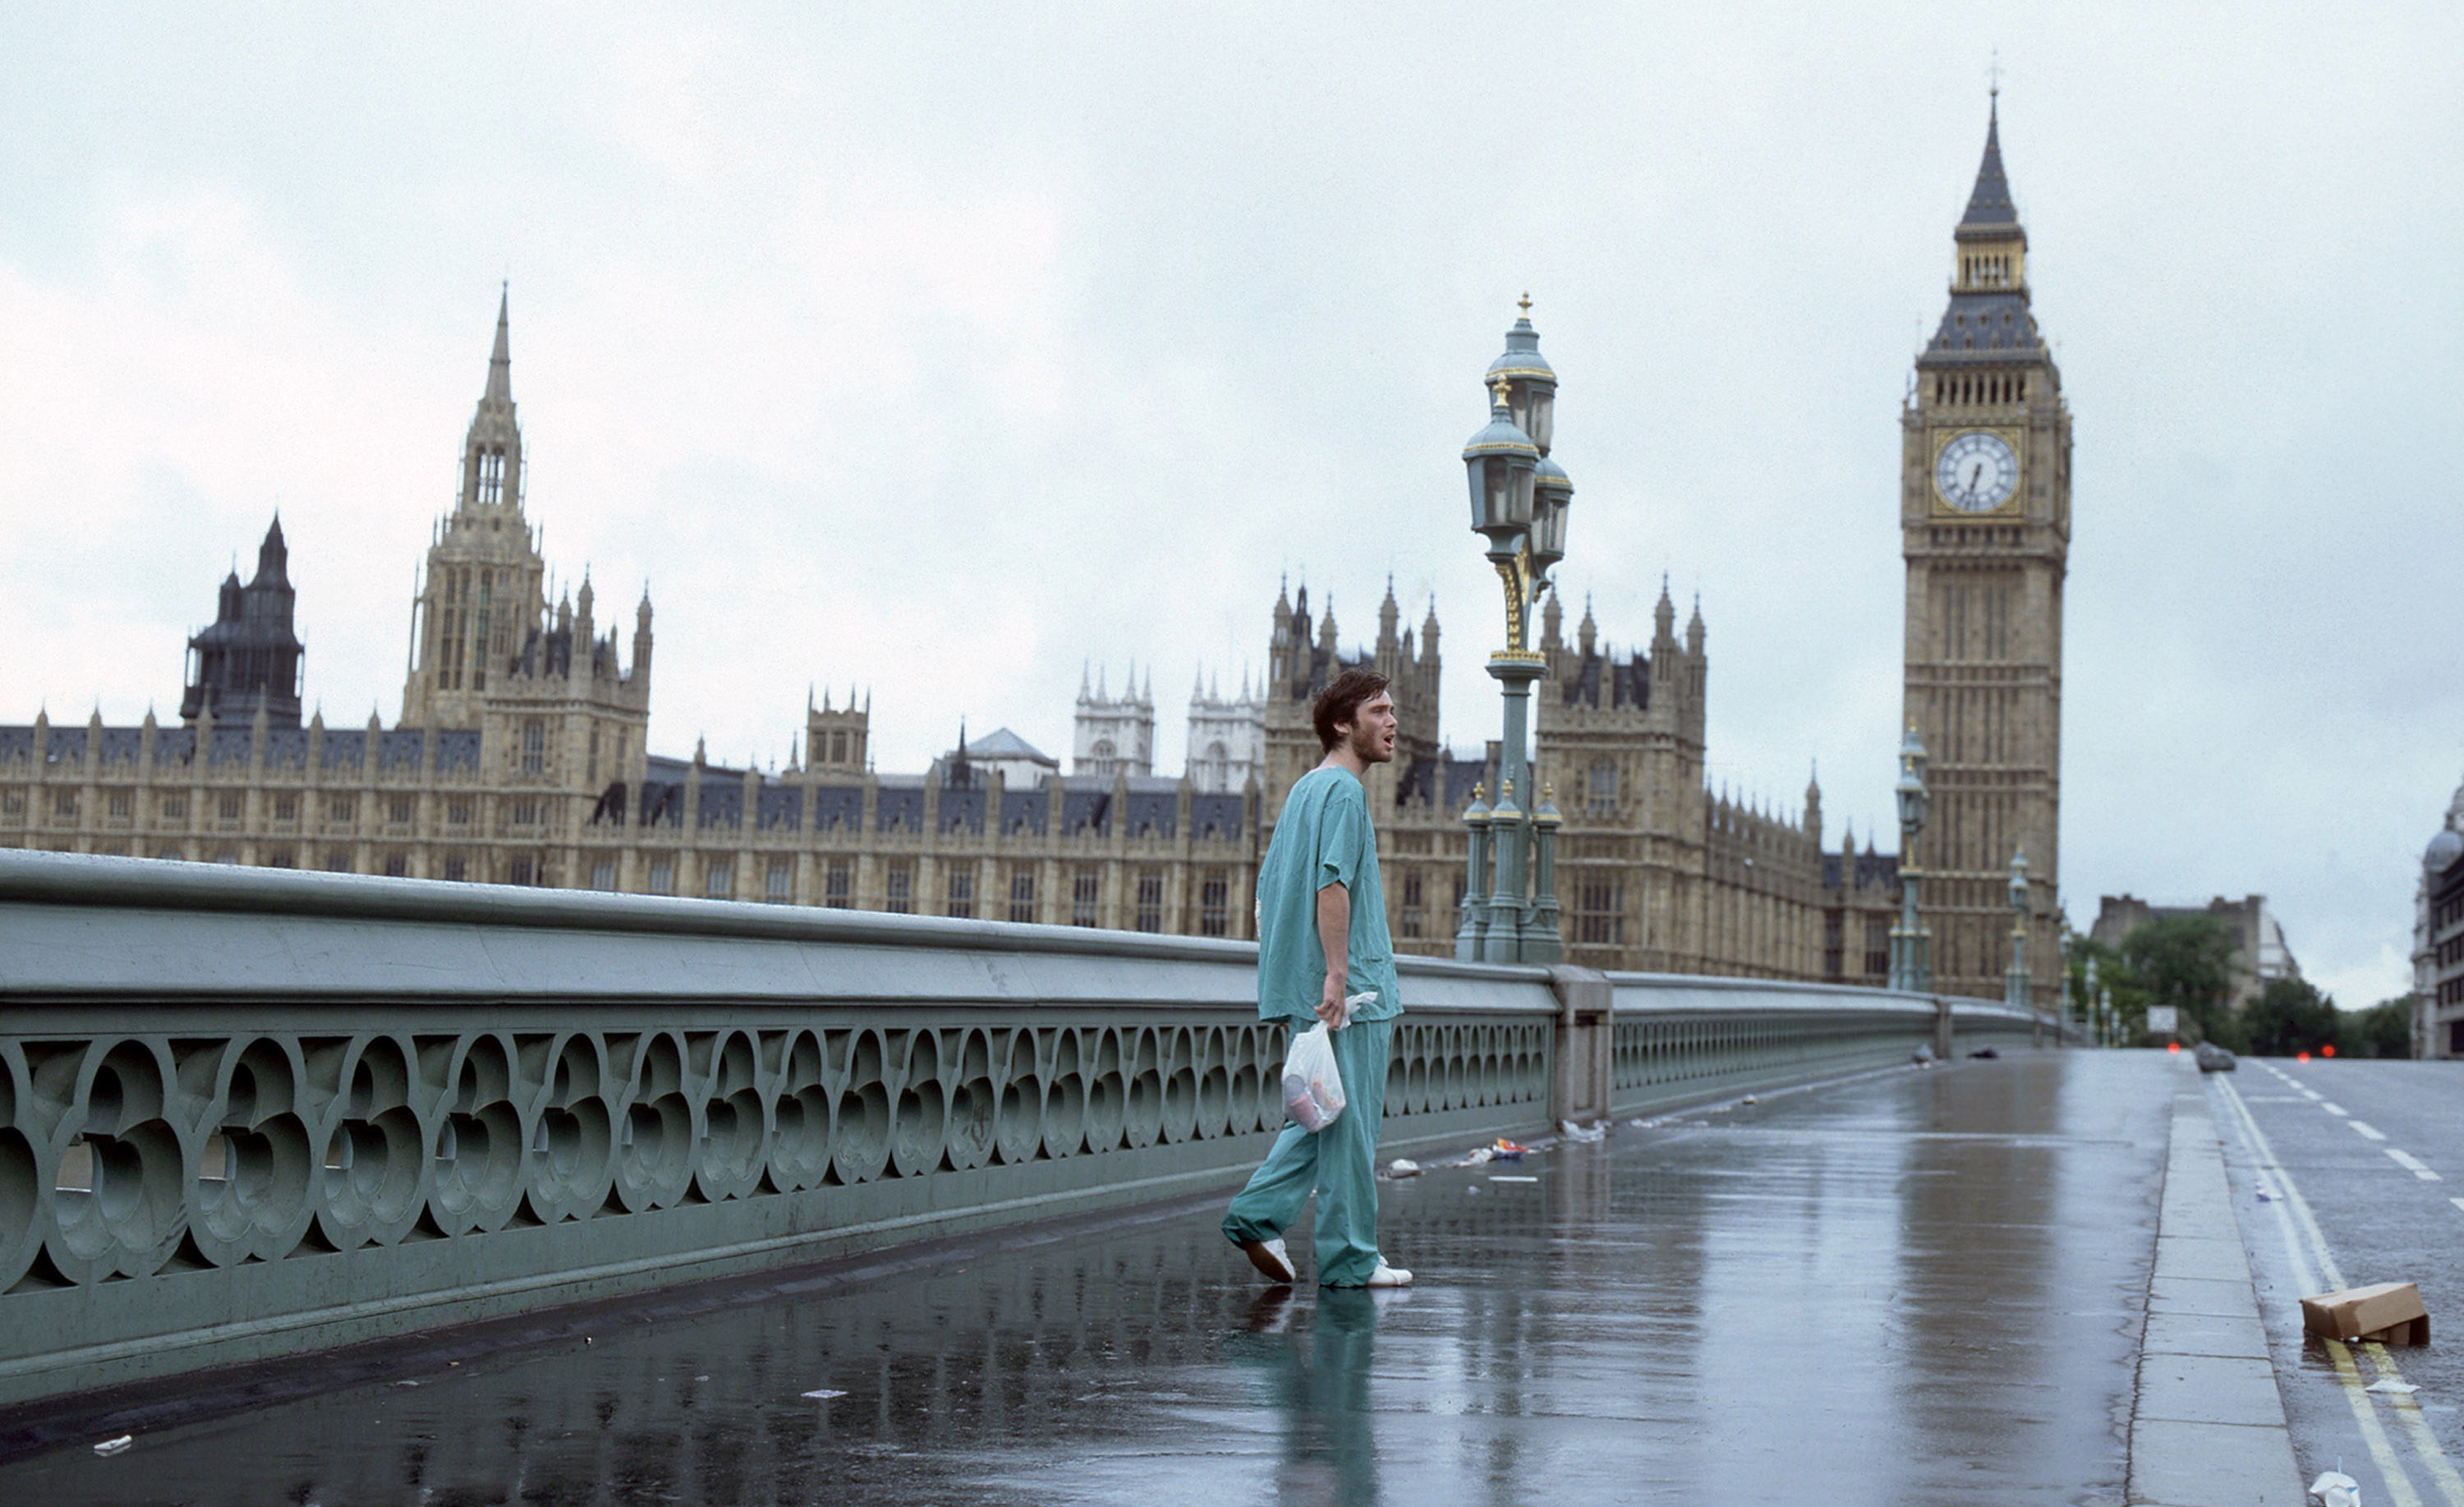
[2338,1110]
[2305,1246]
[2373,1132]
[2411,1163]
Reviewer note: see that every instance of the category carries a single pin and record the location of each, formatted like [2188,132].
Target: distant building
[2439,941]
[1114,735]
[522,757]
[1021,764]
[251,657]
[2260,953]
[1227,739]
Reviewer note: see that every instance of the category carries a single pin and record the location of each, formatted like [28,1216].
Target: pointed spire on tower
[1988,203]
[500,362]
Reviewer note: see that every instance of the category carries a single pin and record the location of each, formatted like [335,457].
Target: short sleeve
[1342,831]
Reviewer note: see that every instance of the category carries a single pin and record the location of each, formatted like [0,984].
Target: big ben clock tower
[1985,526]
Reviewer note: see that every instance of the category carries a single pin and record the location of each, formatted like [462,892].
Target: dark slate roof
[662,803]
[17,743]
[174,745]
[1988,203]
[457,748]
[226,746]
[403,748]
[65,746]
[1873,870]
[1461,775]
[780,806]
[962,809]
[1153,814]
[722,803]
[342,750]
[610,810]
[838,806]
[1622,683]
[286,748]
[547,653]
[1992,327]
[1025,811]
[898,808]
[1002,744]
[1217,815]
[122,745]
[1086,806]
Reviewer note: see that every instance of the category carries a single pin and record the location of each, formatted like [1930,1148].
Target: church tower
[1985,525]
[485,585]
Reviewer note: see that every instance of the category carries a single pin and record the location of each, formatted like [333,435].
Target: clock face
[1976,472]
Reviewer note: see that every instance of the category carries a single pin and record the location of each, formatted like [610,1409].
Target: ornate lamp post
[2065,996]
[1473,930]
[1911,949]
[2015,979]
[1519,500]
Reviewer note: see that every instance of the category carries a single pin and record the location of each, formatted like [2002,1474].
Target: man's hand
[1335,938]
[1329,1003]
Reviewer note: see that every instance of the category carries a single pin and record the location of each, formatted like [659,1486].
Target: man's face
[1371,733]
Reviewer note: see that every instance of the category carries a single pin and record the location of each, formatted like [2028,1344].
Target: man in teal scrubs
[1321,939]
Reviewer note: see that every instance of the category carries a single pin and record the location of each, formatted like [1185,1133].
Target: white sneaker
[1271,1259]
[1388,1275]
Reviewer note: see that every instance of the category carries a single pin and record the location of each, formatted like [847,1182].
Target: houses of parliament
[523,753]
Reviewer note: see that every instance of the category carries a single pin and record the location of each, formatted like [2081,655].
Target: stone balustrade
[246,1113]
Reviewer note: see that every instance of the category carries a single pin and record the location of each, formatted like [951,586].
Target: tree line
[2188,962]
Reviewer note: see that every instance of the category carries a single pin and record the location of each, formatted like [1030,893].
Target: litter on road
[1503,1177]
[825,1394]
[2393,1387]
[115,1446]
[1575,1132]
[1403,1166]
[2388,1312]
[2336,1489]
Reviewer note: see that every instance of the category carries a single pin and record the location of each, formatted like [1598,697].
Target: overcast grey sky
[942,349]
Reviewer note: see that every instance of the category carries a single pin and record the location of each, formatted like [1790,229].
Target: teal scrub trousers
[1339,1161]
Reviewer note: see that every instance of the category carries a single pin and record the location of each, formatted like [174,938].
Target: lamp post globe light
[1911,951]
[1519,501]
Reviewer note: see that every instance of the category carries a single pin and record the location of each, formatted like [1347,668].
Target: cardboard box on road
[2387,1311]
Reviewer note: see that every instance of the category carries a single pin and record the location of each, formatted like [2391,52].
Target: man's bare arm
[1335,935]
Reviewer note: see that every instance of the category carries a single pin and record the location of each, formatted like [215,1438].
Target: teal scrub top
[1322,837]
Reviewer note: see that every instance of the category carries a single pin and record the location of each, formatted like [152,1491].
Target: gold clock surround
[1942,510]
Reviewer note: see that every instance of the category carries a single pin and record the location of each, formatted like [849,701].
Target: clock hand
[1976,478]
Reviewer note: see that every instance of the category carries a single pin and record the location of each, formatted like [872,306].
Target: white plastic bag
[1312,1087]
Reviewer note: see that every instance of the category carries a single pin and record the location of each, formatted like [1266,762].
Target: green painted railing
[247,1113]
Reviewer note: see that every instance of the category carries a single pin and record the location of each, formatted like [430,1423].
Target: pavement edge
[2207,1423]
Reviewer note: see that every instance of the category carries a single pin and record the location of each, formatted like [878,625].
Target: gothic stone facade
[521,756]
[1984,527]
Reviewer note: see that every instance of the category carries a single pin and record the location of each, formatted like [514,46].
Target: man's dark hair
[1341,702]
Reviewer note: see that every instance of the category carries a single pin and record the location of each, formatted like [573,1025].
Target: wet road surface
[1915,1287]
[2350,1141]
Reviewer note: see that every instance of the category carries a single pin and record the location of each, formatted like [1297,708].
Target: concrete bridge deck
[1911,1287]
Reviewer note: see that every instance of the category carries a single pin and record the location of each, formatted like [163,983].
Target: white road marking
[2337,1110]
[2457,1202]
[2373,1132]
[2305,1243]
[2411,1163]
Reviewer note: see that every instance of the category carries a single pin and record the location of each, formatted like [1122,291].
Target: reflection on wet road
[1913,1287]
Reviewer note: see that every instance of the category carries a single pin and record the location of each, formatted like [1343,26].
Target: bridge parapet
[246,1113]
